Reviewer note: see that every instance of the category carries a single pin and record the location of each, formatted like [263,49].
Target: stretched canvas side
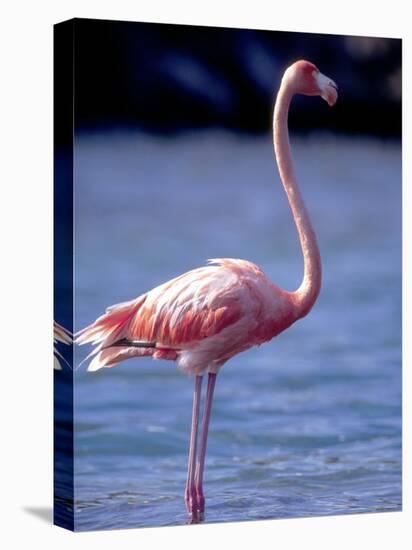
[63,276]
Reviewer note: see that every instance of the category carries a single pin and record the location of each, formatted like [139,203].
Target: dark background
[165,78]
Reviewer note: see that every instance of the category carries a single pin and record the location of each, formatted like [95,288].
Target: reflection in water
[310,423]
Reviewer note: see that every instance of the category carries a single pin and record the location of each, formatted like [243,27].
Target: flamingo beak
[328,89]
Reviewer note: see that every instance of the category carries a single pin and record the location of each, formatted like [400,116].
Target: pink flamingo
[206,316]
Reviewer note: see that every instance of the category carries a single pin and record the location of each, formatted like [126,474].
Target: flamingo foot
[200,499]
[196,517]
[191,500]
[195,504]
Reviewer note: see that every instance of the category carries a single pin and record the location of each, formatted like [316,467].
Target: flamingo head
[305,78]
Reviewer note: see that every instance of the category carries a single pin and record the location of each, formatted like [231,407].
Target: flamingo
[206,316]
[60,334]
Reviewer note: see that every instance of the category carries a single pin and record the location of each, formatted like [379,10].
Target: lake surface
[308,424]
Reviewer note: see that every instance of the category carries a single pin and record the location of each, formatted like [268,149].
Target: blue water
[308,424]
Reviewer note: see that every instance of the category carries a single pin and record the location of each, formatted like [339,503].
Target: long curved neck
[305,296]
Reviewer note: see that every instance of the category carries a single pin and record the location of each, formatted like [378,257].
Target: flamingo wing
[173,316]
[195,306]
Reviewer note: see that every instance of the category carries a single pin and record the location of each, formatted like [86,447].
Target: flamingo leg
[190,493]
[203,442]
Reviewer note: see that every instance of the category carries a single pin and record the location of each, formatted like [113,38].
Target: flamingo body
[199,319]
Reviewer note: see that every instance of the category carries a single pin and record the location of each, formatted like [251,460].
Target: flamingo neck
[305,296]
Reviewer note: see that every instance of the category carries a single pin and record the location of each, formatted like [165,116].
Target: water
[308,424]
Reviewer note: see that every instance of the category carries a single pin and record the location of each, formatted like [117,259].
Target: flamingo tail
[107,334]
[106,328]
